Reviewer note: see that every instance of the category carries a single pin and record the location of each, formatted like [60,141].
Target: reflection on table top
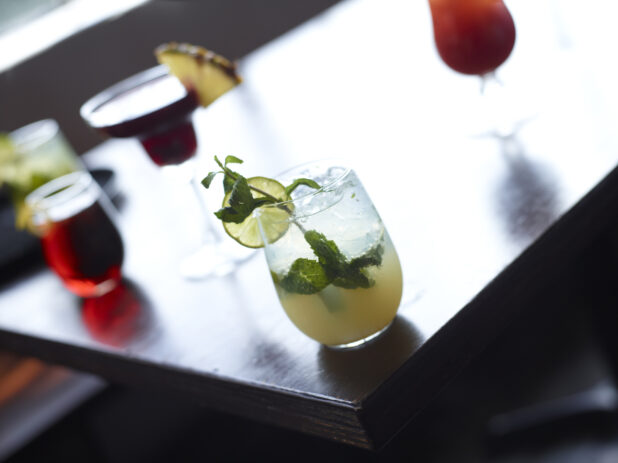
[465,210]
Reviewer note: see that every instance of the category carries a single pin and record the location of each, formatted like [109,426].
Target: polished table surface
[482,221]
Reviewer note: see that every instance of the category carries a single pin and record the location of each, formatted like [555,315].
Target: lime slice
[199,69]
[275,221]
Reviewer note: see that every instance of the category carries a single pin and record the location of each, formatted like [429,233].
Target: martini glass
[154,107]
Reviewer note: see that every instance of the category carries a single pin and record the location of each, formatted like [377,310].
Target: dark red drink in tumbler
[79,239]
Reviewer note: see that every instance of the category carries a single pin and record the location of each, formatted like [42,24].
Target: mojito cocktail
[335,268]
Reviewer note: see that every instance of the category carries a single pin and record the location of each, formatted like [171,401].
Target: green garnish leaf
[232,160]
[372,257]
[241,198]
[242,202]
[305,276]
[206,181]
[230,176]
[229,180]
[301,181]
[327,252]
[352,279]
[341,272]
[219,163]
[229,214]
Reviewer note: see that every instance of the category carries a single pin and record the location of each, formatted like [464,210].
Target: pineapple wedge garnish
[209,74]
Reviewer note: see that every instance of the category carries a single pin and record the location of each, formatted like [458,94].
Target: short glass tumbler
[44,152]
[334,266]
[80,242]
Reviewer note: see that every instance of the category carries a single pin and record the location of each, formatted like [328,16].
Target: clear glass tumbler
[41,153]
[80,241]
[334,266]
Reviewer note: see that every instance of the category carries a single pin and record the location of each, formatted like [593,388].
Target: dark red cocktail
[152,106]
[79,240]
[472,36]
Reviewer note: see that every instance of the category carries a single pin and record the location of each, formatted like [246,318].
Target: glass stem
[209,234]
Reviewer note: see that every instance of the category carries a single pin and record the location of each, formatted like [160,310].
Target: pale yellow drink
[333,263]
[338,316]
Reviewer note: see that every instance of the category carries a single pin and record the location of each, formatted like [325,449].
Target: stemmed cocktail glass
[472,36]
[154,107]
[475,37]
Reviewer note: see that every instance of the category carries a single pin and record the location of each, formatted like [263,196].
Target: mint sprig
[305,276]
[229,177]
[338,270]
[301,181]
[242,202]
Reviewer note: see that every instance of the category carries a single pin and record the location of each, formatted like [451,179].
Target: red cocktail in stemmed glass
[154,107]
[472,36]
[475,37]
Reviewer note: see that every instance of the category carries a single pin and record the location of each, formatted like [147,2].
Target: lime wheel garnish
[275,221]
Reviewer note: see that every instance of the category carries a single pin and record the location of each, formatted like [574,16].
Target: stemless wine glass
[334,266]
[154,107]
[80,242]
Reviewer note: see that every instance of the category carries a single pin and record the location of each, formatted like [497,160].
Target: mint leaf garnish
[306,276]
[327,252]
[229,175]
[241,198]
[232,160]
[207,181]
[335,267]
[353,279]
[228,181]
[301,181]
[371,257]
[242,203]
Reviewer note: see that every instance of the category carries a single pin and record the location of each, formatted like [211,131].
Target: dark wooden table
[481,222]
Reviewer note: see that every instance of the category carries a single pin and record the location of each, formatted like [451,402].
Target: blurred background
[57,53]
[544,391]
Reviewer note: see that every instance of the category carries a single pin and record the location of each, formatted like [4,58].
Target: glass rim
[88,108]
[59,190]
[328,162]
[32,136]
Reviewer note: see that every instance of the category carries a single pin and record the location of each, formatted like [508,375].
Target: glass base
[361,342]
[214,260]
